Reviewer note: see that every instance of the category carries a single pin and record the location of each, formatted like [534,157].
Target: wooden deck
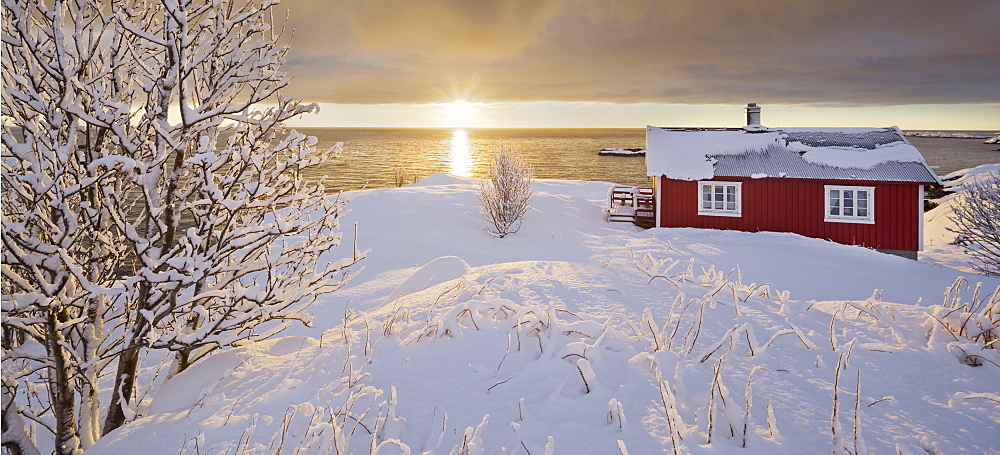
[631,204]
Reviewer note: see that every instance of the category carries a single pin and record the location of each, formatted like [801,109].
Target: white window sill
[849,220]
[730,214]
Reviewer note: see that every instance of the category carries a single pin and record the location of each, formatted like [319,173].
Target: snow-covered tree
[150,201]
[506,196]
[977,222]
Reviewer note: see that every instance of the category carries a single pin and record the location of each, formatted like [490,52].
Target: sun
[459,109]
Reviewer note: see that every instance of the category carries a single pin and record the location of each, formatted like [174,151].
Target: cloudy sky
[912,63]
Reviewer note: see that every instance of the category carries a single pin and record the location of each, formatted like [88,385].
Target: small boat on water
[622,152]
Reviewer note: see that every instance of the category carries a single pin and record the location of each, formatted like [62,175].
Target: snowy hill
[580,336]
[938,247]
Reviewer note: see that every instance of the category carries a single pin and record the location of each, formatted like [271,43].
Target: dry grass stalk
[517,434]
[776,335]
[583,366]
[471,317]
[798,333]
[505,353]
[621,447]
[748,398]
[985,396]
[833,336]
[750,339]
[678,301]
[857,411]
[657,268]
[501,382]
[285,422]
[772,422]
[647,318]
[247,433]
[718,344]
[695,328]
[670,410]
[711,403]
[880,400]
[616,412]
[834,417]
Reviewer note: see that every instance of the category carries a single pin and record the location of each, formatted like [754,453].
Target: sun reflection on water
[460,154]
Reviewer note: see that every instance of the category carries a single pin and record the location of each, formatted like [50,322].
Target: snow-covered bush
[975,318]
[148,202]
[506,196]
[977,222]
[401,178]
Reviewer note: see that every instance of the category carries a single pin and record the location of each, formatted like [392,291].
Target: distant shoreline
[946,135]
[930,133]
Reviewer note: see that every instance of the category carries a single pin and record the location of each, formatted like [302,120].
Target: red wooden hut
[857,186]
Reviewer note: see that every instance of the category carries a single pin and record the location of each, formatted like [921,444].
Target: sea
[388,157]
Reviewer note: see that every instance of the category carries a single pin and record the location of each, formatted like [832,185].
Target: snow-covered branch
[506,196]
[127,230]
[977,222]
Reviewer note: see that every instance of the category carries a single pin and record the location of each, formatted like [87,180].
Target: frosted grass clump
[499,361]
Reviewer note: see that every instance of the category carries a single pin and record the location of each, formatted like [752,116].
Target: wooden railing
[631,204]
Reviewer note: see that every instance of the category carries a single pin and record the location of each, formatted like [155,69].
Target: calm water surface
[950,155]
[373,157]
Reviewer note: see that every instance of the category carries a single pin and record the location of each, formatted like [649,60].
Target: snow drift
[580,336]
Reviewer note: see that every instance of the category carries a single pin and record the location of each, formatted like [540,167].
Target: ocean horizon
[381,157]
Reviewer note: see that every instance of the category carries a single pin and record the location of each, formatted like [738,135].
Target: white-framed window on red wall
[849,204]
[720,198]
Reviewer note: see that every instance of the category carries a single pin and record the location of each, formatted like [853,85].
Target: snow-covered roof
[879,154]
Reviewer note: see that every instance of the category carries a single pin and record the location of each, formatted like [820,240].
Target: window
[850,204]
[719,198]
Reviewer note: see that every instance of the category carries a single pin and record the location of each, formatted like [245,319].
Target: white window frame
[738,212]
[854,218]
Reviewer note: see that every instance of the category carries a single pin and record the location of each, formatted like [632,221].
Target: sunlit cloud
[849,53]
[685,51]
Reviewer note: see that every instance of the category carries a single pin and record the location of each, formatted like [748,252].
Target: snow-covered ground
[576,335]
[938,247]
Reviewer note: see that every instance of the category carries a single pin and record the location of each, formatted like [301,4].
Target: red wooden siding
[793,205]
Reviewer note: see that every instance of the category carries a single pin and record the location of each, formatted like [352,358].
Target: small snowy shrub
[506,196]
[977,223]
[975,319]
[402,178]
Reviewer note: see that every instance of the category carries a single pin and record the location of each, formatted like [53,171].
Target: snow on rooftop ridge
[683,155]
[862,155]
[836,129]
[690,153]
[859,158]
